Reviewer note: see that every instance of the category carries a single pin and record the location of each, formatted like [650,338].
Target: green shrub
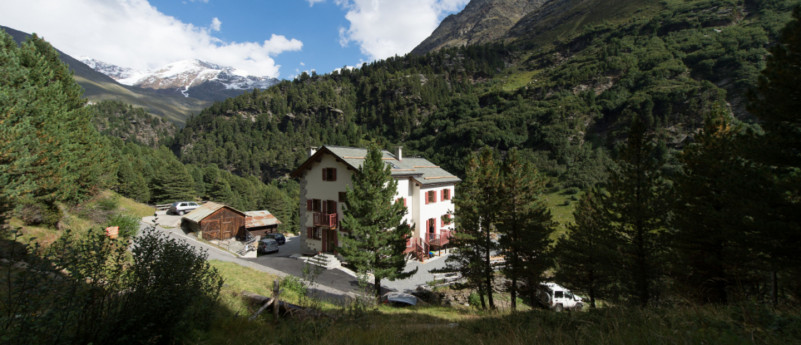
[474,299]
[87,290]
[129,225]
[109,204]
[34,212]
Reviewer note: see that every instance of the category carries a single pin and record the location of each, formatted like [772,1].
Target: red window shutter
[325,174]
[433,196]
[442,194]
[310,232]
[428,196]
[442,222]
[309,205]
[404,202]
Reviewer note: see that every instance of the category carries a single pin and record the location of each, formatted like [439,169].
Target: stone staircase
[324,260]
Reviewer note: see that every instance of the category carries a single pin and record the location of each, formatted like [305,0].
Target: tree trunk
[489,272]
[377,288]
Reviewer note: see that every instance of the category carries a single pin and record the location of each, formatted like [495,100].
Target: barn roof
[260,218]
[420,169]
[206,210]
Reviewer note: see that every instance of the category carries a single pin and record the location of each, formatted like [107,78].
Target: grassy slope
[738,324]
[170,108]
[82,218]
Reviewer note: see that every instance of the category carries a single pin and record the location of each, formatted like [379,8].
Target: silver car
[182,207]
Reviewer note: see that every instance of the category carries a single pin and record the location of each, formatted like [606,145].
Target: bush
[87,290]
[129,225]
[109,204]
[474,299]
[33,212]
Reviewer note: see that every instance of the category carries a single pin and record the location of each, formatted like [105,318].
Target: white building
[426,190]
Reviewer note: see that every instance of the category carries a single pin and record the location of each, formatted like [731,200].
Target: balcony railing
[325,219]
[439,240]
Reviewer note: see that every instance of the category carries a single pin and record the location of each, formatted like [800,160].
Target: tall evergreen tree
[717,210]
[50,151]
[777,104]
[636,209]
[469,256]
[524,223]
[375,223]
[586,255]
[488,176]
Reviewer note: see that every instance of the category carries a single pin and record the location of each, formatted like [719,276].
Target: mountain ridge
[194,77]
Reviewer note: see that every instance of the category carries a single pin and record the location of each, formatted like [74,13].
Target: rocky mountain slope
[481,21]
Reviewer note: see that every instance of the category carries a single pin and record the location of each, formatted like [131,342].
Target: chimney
[312,151]
[399,153]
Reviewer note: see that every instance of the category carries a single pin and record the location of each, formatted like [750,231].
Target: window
[446,194]
[403,200]
[342,196]
[313,233]
[316,205]
[431,197]
[329,174]
[558,294]
[446,220]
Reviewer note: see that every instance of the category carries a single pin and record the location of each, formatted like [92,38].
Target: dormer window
[329,174]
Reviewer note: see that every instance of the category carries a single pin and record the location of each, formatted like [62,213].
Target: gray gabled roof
[420,169]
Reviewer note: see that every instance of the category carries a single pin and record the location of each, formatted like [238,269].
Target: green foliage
[49,150]
[636,210]
[117,119]
[85,290]
[377,232]
[776,103]
[476,203]
[129,225]
[586,257]
[524,223]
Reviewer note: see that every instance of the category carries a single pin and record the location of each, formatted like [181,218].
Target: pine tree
[777,104]
[469,240]
[716,212]
[375,222]
[524,223]
[50,151]
[585,255]
[131,183]
[636,209]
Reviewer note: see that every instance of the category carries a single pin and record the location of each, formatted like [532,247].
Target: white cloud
[132,33]
[215,24]
[384,28]
[312,2]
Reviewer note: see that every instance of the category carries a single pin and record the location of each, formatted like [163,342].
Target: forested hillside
[566,104]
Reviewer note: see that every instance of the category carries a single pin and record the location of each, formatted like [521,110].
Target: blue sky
[278,38]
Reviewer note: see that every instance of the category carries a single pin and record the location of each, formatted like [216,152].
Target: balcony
[439,240]
[328,220]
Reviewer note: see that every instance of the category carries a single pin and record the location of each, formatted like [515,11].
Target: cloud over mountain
[144,38]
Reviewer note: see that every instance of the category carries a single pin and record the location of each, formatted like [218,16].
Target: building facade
[424,188]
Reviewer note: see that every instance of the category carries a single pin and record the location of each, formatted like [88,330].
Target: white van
[558,298]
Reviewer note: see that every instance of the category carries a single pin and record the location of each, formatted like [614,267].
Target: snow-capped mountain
[189,77]
[113,71]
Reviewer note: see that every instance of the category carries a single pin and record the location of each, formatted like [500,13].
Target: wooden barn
[214,221]
[259,223]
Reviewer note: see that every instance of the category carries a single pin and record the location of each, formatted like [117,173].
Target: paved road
[332,284]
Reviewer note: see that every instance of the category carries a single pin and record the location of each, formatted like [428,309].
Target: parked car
[277,236]
[182,207]
[267,245]
[558,298]
[399,299]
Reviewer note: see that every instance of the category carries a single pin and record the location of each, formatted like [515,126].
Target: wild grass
[562,204]
[738,324]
